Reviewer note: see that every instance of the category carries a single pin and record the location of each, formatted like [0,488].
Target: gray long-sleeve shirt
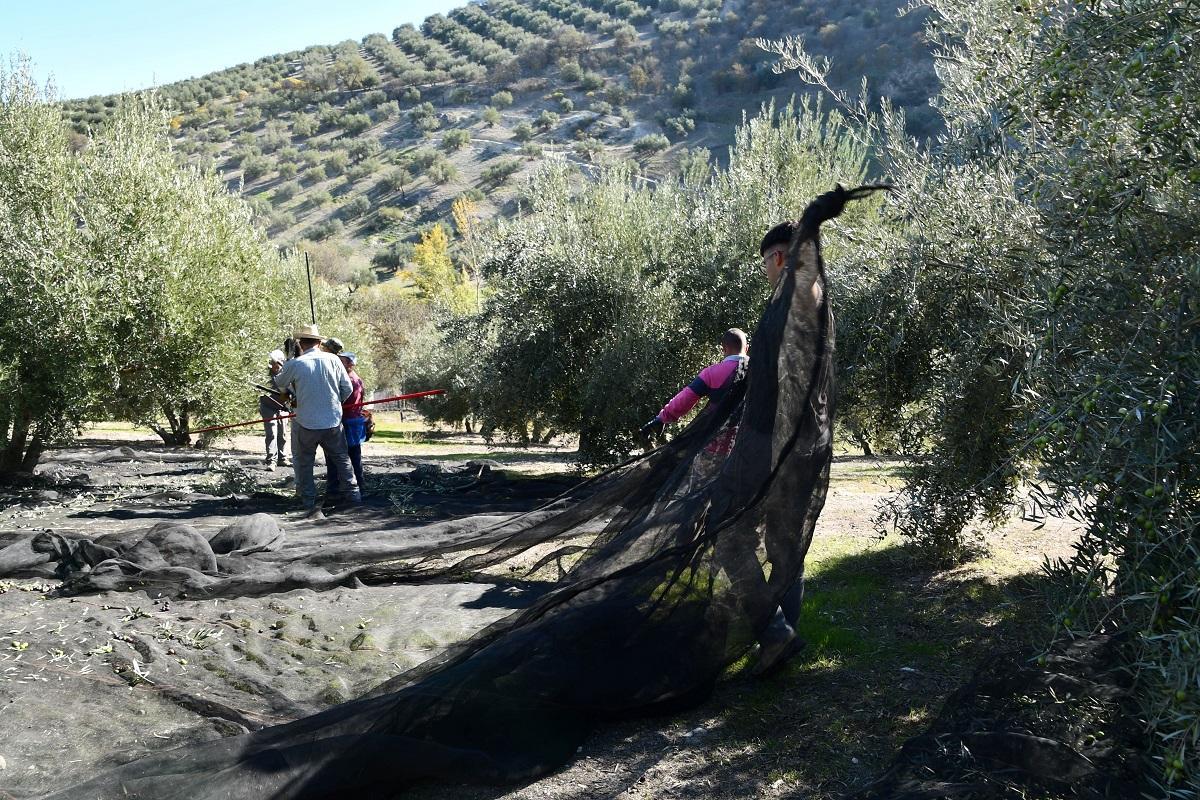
[320,384]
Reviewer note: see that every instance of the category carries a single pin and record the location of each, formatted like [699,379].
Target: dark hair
[780,234]
[734,338]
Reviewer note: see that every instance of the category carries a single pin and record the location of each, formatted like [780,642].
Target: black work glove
[651,430]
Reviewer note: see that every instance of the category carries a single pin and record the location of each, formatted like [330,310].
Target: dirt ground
[888,641]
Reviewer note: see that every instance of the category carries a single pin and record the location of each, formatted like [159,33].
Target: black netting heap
[678,560]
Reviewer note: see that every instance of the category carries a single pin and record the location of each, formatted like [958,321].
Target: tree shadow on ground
[888,641]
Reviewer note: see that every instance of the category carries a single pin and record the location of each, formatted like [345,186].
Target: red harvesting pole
[411,396]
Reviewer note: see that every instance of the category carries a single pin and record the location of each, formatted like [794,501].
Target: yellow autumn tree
[434,274]
[463,210]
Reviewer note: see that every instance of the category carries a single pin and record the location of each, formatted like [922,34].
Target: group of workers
[320,381]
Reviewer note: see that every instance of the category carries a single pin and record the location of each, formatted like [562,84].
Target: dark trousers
[331,478]
[783,625]
[304,455]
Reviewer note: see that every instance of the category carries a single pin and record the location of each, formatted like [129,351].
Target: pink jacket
[710,379]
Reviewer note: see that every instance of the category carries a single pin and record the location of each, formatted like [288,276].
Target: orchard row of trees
[130,288]
[595,310]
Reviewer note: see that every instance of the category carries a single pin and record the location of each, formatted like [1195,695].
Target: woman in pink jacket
[712,382]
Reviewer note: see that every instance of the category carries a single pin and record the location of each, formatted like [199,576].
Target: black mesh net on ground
[670,567]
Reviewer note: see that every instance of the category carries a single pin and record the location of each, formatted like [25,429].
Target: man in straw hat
[319,384]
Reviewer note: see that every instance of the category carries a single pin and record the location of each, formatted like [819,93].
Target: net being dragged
[688,558]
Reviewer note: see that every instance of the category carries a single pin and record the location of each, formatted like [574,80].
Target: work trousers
[304,455]
[331,478]
[272,431]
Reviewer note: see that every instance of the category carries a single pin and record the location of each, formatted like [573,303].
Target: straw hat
[306,332]
[276,357]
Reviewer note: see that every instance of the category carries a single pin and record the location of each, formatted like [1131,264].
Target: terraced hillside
[366,143]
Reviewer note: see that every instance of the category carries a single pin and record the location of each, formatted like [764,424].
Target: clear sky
[108,46]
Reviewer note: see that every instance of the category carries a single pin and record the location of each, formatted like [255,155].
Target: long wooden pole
[312,306]
[409,396]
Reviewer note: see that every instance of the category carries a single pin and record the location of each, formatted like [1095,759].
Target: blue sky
[102,47]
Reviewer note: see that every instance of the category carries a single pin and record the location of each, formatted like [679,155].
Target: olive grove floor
[92,680]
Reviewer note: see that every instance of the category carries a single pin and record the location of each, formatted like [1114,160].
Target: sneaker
[281,462]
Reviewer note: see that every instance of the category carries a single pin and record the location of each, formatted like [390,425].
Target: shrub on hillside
[328,115]
[489,116]
[325,229]
[588,148]
[441,172]
[395,179]
[502,99]
[455,140]
[566,105]
[288,170]
[396,254]
[650,144]
[531,150]
[680,126]
[358,171]
[388,110]
[284,192]
[314,174]
[279,221]
[355,124]
[254,167]
[319,199]
[468,73]
[336,162]
[461,95]
[591,81]
[362,149]
[423,157]
[546,120]
[356,207]
[523,132]
[499,172]
[570,72]
[304,125]
[275,136]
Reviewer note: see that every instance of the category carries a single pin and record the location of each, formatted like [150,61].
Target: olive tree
[1040,283]
[52,309]
[188,278]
